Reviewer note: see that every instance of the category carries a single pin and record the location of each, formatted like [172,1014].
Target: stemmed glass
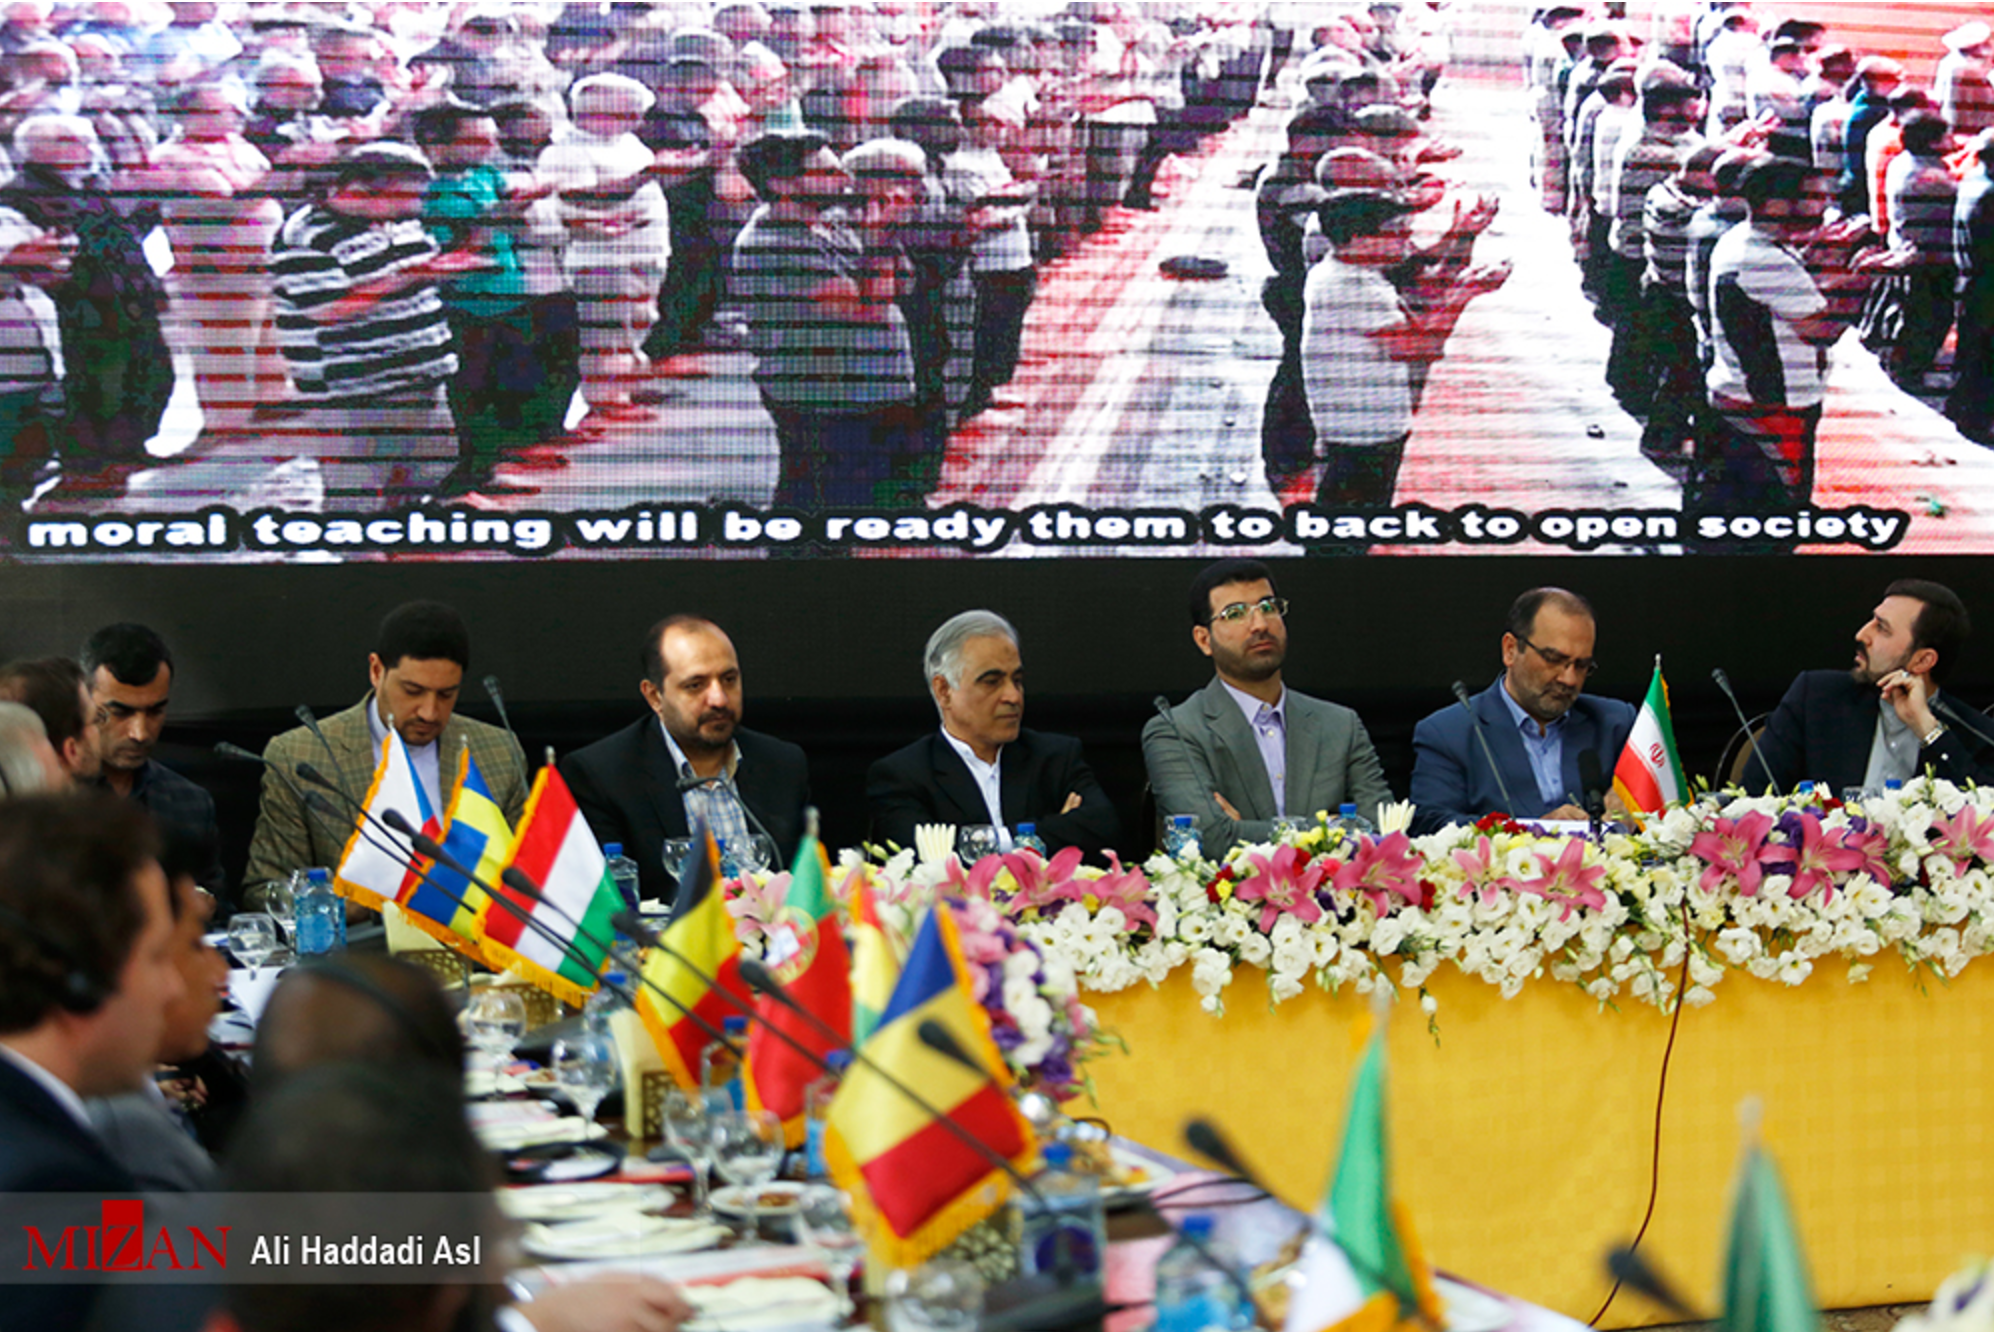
[824,1219]
[975,841]
[252,937]
[493,1021]
[747,1150]
[282,905]
[585,1068]
[677,850]
[941,1295]
[688,1131]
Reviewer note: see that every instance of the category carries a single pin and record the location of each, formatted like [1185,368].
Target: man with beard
[1246,750]
[1534,719]
[691,762]
[1884,718]
[982,766]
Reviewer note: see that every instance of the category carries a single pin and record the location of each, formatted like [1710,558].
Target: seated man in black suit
[982,766]
[691,760]
[1884,718]
[86,974]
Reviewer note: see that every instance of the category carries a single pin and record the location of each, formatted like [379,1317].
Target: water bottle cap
[611,850]
[1805,788]
[1058,1155]
[1894,784]
[615,978]
[1027,829]
[734,1026]
[1180,820]
[1197,1225]
[316,876]
[1349,811]
[838,1060]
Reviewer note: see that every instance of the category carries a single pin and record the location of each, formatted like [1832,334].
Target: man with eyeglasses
[690,762]
[1535,719]
[1246,750]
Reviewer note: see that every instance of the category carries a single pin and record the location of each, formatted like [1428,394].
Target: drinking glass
[252,937]
[824,1219]
[688,1131]
[676,852]
[941,1295]
[975,841]
[282,905]
[747,1146]
[494,1019]
[585,1068]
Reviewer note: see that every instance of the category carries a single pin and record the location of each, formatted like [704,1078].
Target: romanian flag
[875,960]
[702,933]
[577,898]
[915,1185]
[477,836]
[806,951]
[1365,1272]
[1648,776]
[377,865]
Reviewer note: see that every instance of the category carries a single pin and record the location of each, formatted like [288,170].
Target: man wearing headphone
[86,973]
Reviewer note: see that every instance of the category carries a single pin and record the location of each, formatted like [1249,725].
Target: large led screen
[330,282]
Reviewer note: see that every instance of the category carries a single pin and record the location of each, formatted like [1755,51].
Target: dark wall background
[831,650]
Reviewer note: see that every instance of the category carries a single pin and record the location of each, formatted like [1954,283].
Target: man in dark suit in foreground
[86,974]
[691,759]
[1246,750]
[1535,718]
[982,766]
[1883,718]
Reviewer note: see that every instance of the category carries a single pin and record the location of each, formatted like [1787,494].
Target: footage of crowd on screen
[1656,144]
[480,208]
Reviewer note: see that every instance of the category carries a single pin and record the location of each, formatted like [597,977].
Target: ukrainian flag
[916,1186]
[479,838]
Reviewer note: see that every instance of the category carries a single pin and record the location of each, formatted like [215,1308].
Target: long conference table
[1522,1135]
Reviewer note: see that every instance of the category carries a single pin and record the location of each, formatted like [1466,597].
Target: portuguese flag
[702,933]
[806,950]
[1649,774]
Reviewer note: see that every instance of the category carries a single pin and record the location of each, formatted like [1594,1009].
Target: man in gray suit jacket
[1246,750]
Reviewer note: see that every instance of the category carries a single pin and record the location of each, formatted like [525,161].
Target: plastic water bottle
[1192,1293]
[1894,784]
[720,1069]
[320,924]
[1070,1230]
[817,1108]
[1353,823]
[1028,839]
[1180,836]
[622,872]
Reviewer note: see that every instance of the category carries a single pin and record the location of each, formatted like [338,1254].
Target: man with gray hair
[982,766]
[28,763]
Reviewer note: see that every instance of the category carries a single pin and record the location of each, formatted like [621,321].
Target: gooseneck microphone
[1592,781]
[492,691]
[335,826]
[1941,705]
[1745,727]
[1467,703]
[304,714]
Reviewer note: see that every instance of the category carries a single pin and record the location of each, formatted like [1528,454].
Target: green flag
[1765,1273]
[1357,1213]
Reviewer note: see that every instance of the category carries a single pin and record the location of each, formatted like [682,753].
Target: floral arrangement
[1771,886]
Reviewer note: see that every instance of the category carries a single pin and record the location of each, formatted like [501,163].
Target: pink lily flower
[1283,886]
[1381,869]
[1483,877]
[976,880]
[1731,849]
[1126,889]
[1568,880]
[1963,838]
[754,905]
[1815,861]
[1040,882]
[1873,845]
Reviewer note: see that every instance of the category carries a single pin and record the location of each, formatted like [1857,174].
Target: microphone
[1630,1269]
[1959,722]
[1593,782]
[336,826]
[1205,1138]
[1462,697]
[305,715]
[491,684]
[1745,727]
[727,784]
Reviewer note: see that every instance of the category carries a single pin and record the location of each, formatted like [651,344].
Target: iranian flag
[806,951]
[1648,776]
[564,948]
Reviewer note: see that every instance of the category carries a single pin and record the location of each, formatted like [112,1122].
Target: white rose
[1293,958]
[1255,950]
[1195,929]
[1283,987]
[1386,936]
[1234,930]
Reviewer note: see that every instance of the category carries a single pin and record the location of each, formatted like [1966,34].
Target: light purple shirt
[1269,724]
[1544,746]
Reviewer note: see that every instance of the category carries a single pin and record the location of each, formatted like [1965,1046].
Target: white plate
[503,1137]
[741,1201]
[621,1235]
[569,1202]
[762,1303]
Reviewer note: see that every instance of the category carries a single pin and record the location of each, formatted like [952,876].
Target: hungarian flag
[875,960]
[1365,1272]
[577,898]
[806,951]
[1765,1272]
[702,933]
[1648,776]
[446,905]
[378,864]
[915,1185]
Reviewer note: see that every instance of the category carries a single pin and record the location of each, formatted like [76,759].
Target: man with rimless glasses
[1246,750]
[1535,719]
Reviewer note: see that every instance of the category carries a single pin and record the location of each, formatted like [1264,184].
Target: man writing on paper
[1246,749]
[414,675]
[1536,721]
[1884,718]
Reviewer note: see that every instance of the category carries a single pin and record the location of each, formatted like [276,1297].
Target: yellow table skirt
[1522,1139]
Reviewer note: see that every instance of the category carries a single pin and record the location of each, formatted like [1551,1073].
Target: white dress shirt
[988,780]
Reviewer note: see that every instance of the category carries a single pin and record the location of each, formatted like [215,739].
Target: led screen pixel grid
[1133,423]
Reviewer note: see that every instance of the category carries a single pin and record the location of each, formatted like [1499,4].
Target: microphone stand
[1475,722]
[1745,727]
